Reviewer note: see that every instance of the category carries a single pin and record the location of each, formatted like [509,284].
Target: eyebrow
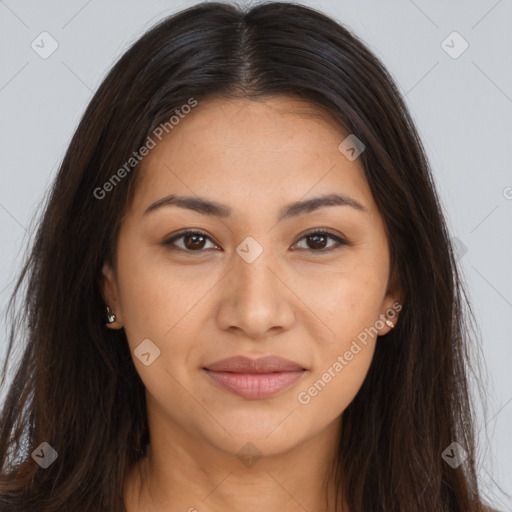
[206,206]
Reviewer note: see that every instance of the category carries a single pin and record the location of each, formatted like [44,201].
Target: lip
[243,364]
[255,378]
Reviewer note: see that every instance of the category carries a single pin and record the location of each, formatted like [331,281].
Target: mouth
[254,378]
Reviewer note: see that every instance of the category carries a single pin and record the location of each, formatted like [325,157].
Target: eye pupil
[195,237]
[194,241]
[318,241]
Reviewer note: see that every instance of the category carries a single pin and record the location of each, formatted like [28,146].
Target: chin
[269,434]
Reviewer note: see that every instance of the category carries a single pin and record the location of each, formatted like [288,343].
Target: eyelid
[190,231]
[340,239]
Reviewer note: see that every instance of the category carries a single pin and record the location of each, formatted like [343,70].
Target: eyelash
[341,242]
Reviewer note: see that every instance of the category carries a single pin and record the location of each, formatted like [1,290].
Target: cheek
[331,390]
[346,302]
[147,306]
[345,356]
[165,305]
[150,302]
[349,305]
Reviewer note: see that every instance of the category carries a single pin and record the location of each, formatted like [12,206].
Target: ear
[109,290]
[392,304]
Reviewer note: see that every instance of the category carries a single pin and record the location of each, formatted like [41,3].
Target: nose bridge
[251,274]
[255,300]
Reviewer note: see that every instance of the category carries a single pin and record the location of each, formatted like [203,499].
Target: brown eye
[316,241]
[193,241]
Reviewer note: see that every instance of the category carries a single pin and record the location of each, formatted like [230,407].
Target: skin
[200,307]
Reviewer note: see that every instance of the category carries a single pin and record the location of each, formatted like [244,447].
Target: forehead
[266,126]
[241,148]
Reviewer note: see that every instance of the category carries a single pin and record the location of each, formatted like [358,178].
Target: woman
[242,292]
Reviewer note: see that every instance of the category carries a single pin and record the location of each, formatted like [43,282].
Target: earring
[111,318]
[390,323]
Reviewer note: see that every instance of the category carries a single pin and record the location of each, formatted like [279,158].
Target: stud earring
[390,323]
[111,318]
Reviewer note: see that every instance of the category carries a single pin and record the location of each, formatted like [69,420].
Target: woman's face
[252,283]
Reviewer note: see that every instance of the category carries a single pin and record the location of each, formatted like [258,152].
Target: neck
[182,473]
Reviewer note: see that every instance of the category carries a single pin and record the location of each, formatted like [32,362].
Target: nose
[256,298]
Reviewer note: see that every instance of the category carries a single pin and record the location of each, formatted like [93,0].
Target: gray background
[462,106]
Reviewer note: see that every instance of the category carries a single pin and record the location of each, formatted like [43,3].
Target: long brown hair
[75,386]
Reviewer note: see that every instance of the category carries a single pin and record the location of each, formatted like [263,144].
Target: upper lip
[243,364]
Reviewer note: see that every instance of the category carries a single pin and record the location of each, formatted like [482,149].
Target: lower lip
[255,385]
